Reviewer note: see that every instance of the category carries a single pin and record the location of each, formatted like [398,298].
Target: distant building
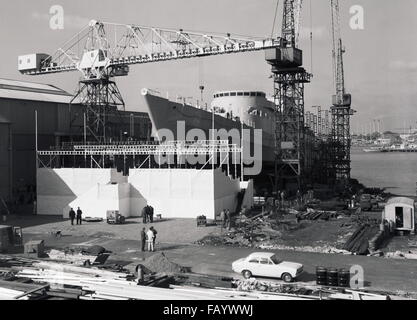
[383,141]
[56,124]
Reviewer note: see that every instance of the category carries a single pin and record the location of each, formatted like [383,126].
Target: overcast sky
[380,62]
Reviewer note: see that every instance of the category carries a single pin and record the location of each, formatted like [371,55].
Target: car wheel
[247,274]
[287,277]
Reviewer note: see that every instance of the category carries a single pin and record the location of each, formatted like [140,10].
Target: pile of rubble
[250,285]
[402,255]
[248,233]
[159,263]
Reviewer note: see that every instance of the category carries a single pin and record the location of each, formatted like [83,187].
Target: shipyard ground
[176,238]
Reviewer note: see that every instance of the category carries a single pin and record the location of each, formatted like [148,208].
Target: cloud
[74,22]
[401,65]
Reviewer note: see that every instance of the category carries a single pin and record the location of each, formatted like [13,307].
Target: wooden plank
[14,285]
[32,291]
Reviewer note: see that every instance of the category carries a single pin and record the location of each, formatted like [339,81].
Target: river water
[397,172]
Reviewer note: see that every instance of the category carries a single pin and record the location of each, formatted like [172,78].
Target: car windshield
[275,260]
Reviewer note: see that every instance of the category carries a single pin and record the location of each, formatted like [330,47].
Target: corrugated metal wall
[5,183]
[53,121]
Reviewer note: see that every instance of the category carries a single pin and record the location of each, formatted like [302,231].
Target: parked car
[267,265]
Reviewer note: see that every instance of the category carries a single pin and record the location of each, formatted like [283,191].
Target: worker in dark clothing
[228,219]
[145,214]
[79,216]
[151,213]
[143,239]
[72,216]
[223,218]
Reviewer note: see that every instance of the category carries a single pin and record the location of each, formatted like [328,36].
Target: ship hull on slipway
[256,111]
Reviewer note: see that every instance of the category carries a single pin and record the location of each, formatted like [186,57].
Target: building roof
[21,90]
[401,200]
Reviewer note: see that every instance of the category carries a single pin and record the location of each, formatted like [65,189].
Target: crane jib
[135,45]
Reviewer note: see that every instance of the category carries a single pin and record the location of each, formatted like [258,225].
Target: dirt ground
[176,239]
[178,231]
[317,236]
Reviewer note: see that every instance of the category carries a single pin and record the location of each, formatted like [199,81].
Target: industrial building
[58,123]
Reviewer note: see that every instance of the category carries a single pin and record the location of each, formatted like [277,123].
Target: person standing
[145,214]
[143,239]
[150,238]
[223,218]
[79,216]
[283,199]
[35,208]
[154,236]
[151,213]
[72,216]
[228,219]
[148,214]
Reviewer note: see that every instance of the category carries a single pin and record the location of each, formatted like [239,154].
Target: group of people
[148,214]
[76,216]
[148,238]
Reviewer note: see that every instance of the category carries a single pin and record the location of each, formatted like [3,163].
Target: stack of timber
[113,286]
[204,281]
[358,243]
[316,215]
[12,290]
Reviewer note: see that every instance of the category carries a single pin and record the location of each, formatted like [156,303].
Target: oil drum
[333,277]
[321,276]
[344,278]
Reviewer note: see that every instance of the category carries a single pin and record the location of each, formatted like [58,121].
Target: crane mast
[338,51]
[341,105]
[102,51]
[289,80]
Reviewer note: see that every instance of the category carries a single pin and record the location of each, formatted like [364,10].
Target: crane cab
[31,62]
[284,57]
[347,100]
[94,59]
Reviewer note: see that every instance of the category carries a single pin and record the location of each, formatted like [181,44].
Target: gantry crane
[289,79]
[103,51]
[341,105]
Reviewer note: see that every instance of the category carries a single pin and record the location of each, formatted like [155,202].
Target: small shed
[400,212]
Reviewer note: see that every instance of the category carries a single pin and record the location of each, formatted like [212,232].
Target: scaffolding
[174,154]
[290,126]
